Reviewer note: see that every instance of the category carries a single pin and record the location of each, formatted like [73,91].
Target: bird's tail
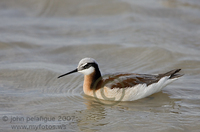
[172,74]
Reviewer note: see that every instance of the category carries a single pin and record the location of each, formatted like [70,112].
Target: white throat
[87,71]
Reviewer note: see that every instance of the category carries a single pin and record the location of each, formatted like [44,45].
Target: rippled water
[42,39]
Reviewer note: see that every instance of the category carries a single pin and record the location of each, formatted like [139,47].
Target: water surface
[42,39]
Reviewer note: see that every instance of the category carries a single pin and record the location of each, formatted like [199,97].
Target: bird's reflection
[97,114]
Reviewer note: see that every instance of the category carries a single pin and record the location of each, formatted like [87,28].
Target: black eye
[86,66]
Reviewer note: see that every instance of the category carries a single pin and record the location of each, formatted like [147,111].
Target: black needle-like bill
[68,73]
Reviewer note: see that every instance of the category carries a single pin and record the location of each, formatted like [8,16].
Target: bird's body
[121,86]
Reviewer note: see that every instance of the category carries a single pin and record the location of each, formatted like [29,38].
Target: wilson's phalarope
[131,86]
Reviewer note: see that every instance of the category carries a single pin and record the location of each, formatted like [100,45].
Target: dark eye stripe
[87,65]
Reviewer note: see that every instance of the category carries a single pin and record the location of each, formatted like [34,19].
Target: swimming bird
[121,86]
